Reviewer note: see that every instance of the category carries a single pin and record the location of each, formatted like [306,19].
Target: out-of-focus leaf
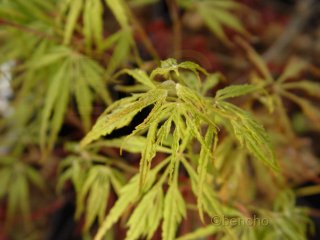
[312,88]
[140,3]
[4,181]
[293,68]
[97,187]
[118,9]
[74,13]
[56,87]
[217,15]
[211,81]
[120,52]
[235,91]
[312,112]
[256,60]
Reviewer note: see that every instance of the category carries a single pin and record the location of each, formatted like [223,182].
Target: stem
[145,39]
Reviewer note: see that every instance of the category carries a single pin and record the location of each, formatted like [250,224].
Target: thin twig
[145,39]
[304,10]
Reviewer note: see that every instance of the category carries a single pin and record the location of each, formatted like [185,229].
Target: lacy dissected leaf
[175,147]
[200,233]
[235,91]
[211,204]
[121,116]
[140,76]
[191,112]
[251,134]
[190,97]
[92,185]
[203,161]
[169,65]
[146,217]
[97,187]
[291,221]
[174,211]
[133,144]
[76,171]
[129,194]
[148,152]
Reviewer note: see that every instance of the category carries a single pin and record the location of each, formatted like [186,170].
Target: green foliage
[202,149]
[217,15]
[16,177]
[73,72]
[92,177]
[175,105]
[282,86]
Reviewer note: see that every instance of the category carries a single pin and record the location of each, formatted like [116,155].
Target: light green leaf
[121,116]
[98,198]
[120,52]
[210,82]
[84,101]
[312,88]
[128,195]
[235,91]
[293,68]
[141,77]
[146,216]
[119,10]
[174,211]
[72,18]
[202,166]
[200,233]
[56,87]
[251,134]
